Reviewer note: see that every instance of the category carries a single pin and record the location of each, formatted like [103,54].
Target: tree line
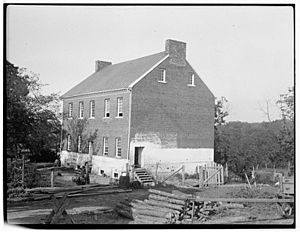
[245,145]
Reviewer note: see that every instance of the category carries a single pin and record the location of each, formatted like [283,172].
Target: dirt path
[35,212]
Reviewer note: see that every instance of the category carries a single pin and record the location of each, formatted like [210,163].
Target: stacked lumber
[170,208]
[76,191]
[159,208]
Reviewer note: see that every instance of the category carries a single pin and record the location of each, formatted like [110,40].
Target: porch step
[144,177]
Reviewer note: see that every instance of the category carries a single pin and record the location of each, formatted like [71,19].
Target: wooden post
[23,169]
[183,169]
[156,173]
[52,177]
[226,170]
[248,181]
[87,177]
[199,178]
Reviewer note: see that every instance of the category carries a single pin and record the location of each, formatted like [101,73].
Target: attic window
[162,76]
[191,80]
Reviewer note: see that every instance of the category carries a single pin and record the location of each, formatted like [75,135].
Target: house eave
[93,93]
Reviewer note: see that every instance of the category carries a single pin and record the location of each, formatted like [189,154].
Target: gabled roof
[116,76]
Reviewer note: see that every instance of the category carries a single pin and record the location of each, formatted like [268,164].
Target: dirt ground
[35,212]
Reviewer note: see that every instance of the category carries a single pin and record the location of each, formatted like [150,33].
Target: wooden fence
[212,174]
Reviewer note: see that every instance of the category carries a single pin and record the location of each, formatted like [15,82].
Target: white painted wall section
[108,165]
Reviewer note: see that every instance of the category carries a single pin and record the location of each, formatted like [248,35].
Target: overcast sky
[243,53]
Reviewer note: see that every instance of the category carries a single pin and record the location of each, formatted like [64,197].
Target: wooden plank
[248,181]
[166,199]
[166,205]
[248,200]
[172,174]
[208,178]
[170,195]
[63,189]
[100,193]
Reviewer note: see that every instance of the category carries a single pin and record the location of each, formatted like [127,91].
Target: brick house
[154,109]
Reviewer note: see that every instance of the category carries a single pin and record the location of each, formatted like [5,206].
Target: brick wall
[107,127]
[173,110]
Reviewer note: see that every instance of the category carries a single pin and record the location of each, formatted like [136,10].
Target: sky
[244,53]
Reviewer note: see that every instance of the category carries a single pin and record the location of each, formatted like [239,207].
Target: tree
[286,138]
[220,146]
[17,114]
[31,117]
[80,127]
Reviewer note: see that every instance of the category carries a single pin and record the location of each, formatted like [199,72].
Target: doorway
[138,157]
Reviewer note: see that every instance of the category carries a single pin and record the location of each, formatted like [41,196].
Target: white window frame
[68,142]
[81,109]
[106,108]
[79,143]
[70,110]
[162,76]
[92,109]
[119,107]
[192,78]
[105,146]
[118,147]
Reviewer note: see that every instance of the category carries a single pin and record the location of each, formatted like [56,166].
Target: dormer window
[191,80]
[162,76]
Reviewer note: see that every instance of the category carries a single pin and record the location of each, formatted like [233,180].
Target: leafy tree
[286,138]
[79,127]
[220,146]
[17,115]
[31,117]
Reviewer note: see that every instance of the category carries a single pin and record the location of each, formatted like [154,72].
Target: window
[116,175]
[70,110]
[105,146]
[92,109]
[79,143]
[69,142]
[119,107]
[162,76]
[90,148]
[118,147]
[106,108]
[191,80]
[81,109]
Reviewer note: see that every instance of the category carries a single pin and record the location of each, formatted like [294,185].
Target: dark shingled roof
[116,76]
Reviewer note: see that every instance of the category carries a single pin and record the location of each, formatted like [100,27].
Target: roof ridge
[135,59]
[116,76]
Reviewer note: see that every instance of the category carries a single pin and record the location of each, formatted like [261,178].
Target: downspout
[129,123]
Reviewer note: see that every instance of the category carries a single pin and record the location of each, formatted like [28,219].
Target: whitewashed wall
[108,165]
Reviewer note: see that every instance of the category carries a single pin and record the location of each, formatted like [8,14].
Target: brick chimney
[101,64]
[176,51]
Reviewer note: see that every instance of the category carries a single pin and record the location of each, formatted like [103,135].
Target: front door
[138,156]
